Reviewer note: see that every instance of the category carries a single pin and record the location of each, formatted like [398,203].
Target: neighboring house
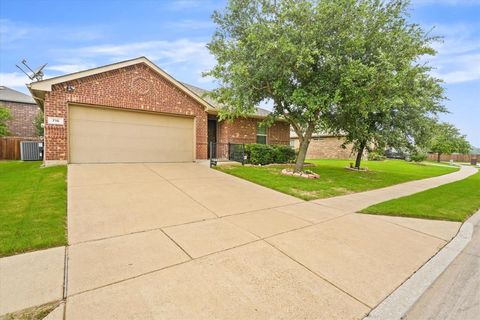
[324,146]
[23,110]
[133,111]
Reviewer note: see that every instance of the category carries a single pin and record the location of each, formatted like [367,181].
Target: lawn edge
[61,243]
[219,168]
[416,216]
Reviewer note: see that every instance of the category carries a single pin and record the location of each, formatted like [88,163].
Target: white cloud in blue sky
[78,35]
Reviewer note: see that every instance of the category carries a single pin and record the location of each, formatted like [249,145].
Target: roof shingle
[201,93]
[7,94]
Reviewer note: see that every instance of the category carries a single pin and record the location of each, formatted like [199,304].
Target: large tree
[447,139]
[387,96]
[325,65]
[285,52]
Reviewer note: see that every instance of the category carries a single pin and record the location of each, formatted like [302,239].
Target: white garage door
[99,135]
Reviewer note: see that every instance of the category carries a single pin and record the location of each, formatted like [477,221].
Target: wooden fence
[10,147]
[456,157]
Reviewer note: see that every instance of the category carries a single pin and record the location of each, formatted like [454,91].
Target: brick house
[133,111]
[324,146]
[23,109]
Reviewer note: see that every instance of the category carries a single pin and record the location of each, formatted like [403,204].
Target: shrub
[418,156]
[5,115]
[376,155]
[259,153]
[38,123]
[283,154]
[265,154]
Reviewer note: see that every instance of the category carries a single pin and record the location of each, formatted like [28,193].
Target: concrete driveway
[183,241]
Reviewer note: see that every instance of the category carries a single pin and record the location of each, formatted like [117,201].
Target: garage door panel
[128,117]
[105,135]
[126,130]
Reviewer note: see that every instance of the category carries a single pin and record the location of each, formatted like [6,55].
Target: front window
[261,134]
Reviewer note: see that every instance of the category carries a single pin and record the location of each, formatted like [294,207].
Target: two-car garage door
[100,135]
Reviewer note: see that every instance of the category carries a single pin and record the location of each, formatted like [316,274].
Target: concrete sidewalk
[31,279]
[357,201]
[185,241]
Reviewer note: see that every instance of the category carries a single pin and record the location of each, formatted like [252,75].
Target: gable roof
[39,88]
[8,94]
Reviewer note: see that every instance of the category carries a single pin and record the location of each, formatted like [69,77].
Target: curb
[397,304]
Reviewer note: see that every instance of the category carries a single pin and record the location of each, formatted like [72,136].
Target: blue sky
[74,35]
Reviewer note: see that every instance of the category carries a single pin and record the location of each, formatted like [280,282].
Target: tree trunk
[359,155]
[302,153]
[304,142]
[438,156]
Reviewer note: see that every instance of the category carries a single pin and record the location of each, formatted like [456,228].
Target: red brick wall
[279,133]
[23,117]
[135,87]
[243,130]
[326,148]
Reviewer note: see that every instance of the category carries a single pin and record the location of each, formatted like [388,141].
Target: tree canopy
[447,139]
[347,66]
[387,96]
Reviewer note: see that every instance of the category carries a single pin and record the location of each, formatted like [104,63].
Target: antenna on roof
[37,74]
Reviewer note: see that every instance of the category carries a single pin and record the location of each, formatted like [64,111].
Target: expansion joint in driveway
[164,268]
[173,185]
[263,209]
[176,243]
[316,274]
[65,273]
[411,229]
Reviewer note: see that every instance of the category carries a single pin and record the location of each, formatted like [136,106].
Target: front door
[212,137]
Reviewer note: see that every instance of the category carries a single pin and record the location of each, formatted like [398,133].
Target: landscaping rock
[304,174]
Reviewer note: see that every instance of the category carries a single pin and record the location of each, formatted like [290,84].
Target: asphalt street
[456,293]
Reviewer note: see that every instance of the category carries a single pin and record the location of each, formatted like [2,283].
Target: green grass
[455,201]
[32,206]
[335,179]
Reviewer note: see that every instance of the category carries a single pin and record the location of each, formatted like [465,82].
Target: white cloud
[207,79]
[172,51]
[183,55]
[191,24]
[185,4]
[14,80]
[14,34]
[70,68]
[185,59]
[459,69]
[11,32]
[458,56]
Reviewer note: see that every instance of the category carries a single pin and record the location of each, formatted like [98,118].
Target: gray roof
[7,94]
[201,93]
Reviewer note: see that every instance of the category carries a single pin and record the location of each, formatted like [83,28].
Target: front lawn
[455,201]
[32,206]
[334,179]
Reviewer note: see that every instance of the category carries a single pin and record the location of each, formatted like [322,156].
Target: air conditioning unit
[31,150]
